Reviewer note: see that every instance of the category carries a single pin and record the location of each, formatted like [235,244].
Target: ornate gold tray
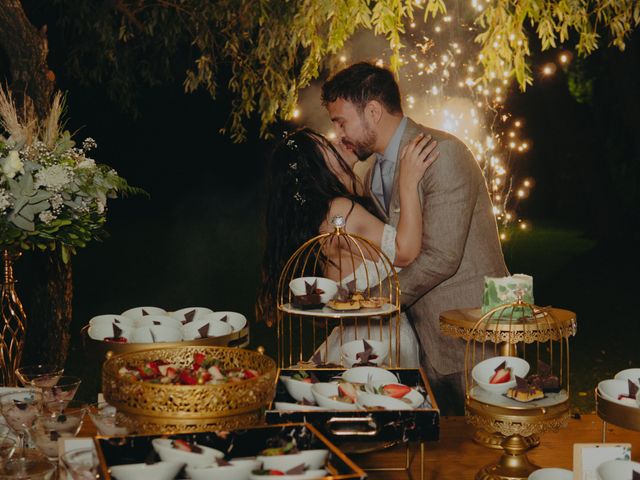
[620,415]
[327,312]
[157,408]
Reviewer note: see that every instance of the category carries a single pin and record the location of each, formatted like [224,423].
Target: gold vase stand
[516,425]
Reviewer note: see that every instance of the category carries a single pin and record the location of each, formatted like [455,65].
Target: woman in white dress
[310,182]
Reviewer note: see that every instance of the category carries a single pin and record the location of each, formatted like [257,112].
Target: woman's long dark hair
[300,189]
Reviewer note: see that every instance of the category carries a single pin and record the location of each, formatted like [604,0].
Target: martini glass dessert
[44,375]
[82,464]
[57,423]
[61,392]
[105,418]
[20,409]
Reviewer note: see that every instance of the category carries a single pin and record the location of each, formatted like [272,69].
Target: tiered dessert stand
[303,335]
[530,332]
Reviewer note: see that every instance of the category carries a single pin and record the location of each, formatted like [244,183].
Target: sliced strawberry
[164,369]
[186,378]
[395,390]
[502,375]
[276,472]
[347,390]
[250,373]
[199,358]
[307,380]
[181,445]
[115,340]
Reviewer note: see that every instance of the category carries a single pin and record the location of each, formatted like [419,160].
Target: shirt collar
[391,152]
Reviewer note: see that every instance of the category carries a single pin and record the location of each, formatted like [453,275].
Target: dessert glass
[44,375]
[57,423]
[104,418]
[28,465]
[61,392]
[20,409]
[82,464]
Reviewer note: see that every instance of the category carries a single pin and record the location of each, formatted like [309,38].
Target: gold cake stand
[623,416]
[512,429]
[461,324]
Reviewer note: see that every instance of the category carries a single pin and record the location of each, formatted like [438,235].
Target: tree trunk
[49,312]
[27,50]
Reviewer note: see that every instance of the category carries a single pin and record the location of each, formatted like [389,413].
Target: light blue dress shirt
[385,167]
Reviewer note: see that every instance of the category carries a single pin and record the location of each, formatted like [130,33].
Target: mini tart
[357,296]
[344,305]
[528,395]
[373,302]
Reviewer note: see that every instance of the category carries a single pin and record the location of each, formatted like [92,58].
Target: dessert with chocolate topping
[343,300]
[524,392]
[544,379]
[311,298]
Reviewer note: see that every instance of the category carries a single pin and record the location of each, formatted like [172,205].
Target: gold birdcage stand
[303,335]
[14,322]
[530,332]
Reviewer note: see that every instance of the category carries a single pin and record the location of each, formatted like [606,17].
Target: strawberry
[395,390]
[199,358]
[502,374]
[146,372]
[115,340]
[276,472]
[307,380]
[186,378]
[250,373]
[347,390]
[164,368]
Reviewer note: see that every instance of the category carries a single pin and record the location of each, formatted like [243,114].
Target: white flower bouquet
[52,194]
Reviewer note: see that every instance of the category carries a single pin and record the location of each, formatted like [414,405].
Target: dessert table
[456,456]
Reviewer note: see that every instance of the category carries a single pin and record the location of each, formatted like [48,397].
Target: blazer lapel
[412,129]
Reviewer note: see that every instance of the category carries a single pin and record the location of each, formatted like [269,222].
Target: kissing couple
[424,203]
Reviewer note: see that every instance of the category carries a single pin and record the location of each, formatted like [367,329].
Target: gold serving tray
[159,408]
[327,312]
[620,415]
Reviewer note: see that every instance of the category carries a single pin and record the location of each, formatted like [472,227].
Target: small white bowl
[198,313]
[238,470]
[329,287]
[138,312]
[351,349]
[611,389]
[162,320]
[632,374]
[308,475]
[484,370]
[551,474]
[296,407]
[167,453]
[322,392]
[374,375]
[617,469]
[298,390]
[216,329]
[120,320]
[100,331]
[160,334]
[235,319]
[312,460]
[369,400]
[142,471]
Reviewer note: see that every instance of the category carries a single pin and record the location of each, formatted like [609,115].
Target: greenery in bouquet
[52,193]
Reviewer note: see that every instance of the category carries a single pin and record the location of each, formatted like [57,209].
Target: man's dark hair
[362,82]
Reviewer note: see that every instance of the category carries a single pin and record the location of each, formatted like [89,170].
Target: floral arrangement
[52,194]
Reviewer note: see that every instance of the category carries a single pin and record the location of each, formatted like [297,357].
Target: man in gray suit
[460,243]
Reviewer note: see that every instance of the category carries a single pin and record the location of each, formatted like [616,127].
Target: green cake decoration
[506,290]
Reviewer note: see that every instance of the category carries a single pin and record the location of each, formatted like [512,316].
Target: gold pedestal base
[494,440]
[513,465]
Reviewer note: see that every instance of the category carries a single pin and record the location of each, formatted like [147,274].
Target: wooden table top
[455,456]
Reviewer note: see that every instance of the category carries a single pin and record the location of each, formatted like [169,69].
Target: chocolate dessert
[311,298]
[633,391]
[544,379]
[524,392]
